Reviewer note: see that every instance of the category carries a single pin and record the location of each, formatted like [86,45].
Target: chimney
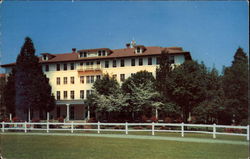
[73,50]
[128,45]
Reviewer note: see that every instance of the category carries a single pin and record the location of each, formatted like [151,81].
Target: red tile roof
[2,75]
[117,53]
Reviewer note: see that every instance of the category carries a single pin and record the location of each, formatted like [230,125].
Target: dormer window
[138,50]
[103,53]
[45,58]
[83,54]
[99,53]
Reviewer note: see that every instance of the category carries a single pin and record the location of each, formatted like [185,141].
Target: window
[58,96]
[106,64]
[65,94]
[58,81]
[65,80]
[122,62]
[72,80]
[88,92]
[72,94]
[103,53]
[81,63]
[99,53]
[138,50]
[122,77]
[158,60]
[171,60]
[140,61]
[82,79]
[92,79]
[150,61]
[72,66]
[98,77]
[114,76]
[132,62]
[58,67]
[84,54]
[45,57]
[98,62]
[114,63]
[65,67]
[82,94]
[132,74]
[46,68]
[87,79]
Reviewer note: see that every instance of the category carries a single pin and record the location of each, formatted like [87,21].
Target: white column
[47,116]
[10,117]
[156,113]
[67,117]
[29,115]
[88,117]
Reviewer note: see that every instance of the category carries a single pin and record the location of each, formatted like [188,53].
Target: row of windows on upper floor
[107,62]
[88,79]
[72,94]
[99,53]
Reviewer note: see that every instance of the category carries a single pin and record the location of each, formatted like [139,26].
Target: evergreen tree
[9,97]
[235,86]
[32,87]
[211,109]
[162,74]
[188,86]
[163,81]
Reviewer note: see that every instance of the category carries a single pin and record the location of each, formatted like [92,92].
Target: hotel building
[72,75]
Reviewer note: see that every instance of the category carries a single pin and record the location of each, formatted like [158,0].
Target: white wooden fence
[125,127]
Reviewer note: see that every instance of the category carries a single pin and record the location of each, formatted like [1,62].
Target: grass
[75,147]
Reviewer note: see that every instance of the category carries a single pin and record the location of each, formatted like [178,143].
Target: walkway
[123,136]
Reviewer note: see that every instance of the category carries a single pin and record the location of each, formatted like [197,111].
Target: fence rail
[126,127]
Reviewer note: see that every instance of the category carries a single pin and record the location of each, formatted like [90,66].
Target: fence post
[182,129]
[72,127]
[47,126]
[153,128]
[214,131]
[3,126]
[248,133]
[25,126]
[126,128]
[98,127]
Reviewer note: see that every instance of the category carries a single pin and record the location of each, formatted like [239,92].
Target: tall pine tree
[235,85]
[9,90]
[32,87]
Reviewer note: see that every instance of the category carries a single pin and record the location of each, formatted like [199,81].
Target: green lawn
[75,147]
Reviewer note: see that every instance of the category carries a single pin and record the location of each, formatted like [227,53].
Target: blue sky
[211,31]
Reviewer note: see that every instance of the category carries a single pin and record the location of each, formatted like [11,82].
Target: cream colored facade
[72,80]
[77,86]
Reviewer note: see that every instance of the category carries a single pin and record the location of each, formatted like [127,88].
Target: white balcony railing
[89,67]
